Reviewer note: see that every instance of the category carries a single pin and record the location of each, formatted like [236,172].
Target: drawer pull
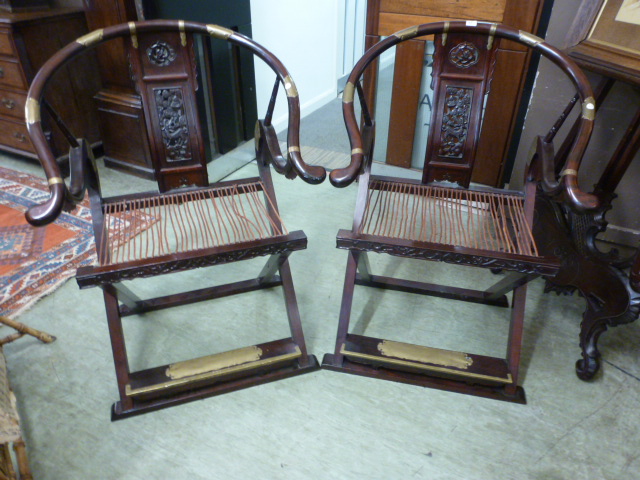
[20,136]
[8,103]
[1,72]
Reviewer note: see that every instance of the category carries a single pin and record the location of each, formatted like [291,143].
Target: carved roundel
[464,55]
[161,54]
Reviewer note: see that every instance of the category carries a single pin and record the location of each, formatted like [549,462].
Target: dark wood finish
[228,112]
[431,220]
[435,290]
[168,91]
[27,40]
[344,365]
[121,118]
[461,75]
[125,138]
[120,412]
[210,223]
[612,295]
[385,17]
[610,300]
[23,5]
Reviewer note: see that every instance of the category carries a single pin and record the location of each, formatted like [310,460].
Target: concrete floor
[323,425]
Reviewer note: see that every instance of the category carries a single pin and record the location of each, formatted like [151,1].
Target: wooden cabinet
[385,17]
[27,40]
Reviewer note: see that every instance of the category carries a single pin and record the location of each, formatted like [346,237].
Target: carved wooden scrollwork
[163,267]
[464,55]
[455,122]
[515,265]
[173,124]
[161,54]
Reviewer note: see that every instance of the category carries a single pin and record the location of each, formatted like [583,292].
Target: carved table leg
[610,300]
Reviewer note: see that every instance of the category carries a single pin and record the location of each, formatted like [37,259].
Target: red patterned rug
[36,261]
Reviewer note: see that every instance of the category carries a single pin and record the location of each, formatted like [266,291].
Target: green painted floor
[324,425]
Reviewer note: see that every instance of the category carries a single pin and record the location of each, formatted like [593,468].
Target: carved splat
[173,124]
[461,73]
[455,122]
[163,66]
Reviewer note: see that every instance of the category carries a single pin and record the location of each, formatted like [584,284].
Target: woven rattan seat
[187,221]
[482,220]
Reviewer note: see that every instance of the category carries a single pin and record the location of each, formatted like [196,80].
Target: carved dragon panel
[173,124]
[455,122]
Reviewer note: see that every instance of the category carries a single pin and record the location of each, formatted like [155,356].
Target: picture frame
[605,38]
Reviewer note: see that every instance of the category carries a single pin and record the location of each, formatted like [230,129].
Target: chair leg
[118,345]
[127,297]
[364,267]
[23,330]
[21,458]
[516,328]
[461,372]
[7,472]
[508,283]
[345,310]
[272,266]
[293,314]
[167,385]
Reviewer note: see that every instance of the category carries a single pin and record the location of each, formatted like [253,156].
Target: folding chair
[444,218]
[193,223]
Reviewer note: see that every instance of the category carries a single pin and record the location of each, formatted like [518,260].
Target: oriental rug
[36,261]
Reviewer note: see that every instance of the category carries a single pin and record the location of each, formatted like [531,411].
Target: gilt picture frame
[605,37]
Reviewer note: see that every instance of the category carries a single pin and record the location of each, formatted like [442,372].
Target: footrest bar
[141,406]
[426,360]
[189,374]
[344,365]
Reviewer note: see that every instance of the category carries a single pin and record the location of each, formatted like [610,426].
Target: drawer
[11,75]
[12,104]
[14,134]
[6,45]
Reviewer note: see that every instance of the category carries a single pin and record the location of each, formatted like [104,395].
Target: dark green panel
[228,13]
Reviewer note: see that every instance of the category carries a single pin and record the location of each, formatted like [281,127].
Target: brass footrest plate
[212,368]
[417,358]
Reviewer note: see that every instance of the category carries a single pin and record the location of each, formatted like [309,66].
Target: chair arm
[361,144]
[542,168]
[312,174]
[45,213]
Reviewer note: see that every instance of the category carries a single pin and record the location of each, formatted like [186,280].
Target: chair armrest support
[268,149]
[542,168]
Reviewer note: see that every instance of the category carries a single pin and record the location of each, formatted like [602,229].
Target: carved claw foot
[587,367]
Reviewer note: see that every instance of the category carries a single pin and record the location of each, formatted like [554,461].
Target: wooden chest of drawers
[27,40]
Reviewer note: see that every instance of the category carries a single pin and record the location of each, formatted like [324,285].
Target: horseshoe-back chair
[442,217]
[192,223]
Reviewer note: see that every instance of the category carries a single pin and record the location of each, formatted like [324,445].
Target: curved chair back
[463,65]
[144,66]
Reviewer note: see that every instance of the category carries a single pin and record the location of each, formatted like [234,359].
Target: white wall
[303,34]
